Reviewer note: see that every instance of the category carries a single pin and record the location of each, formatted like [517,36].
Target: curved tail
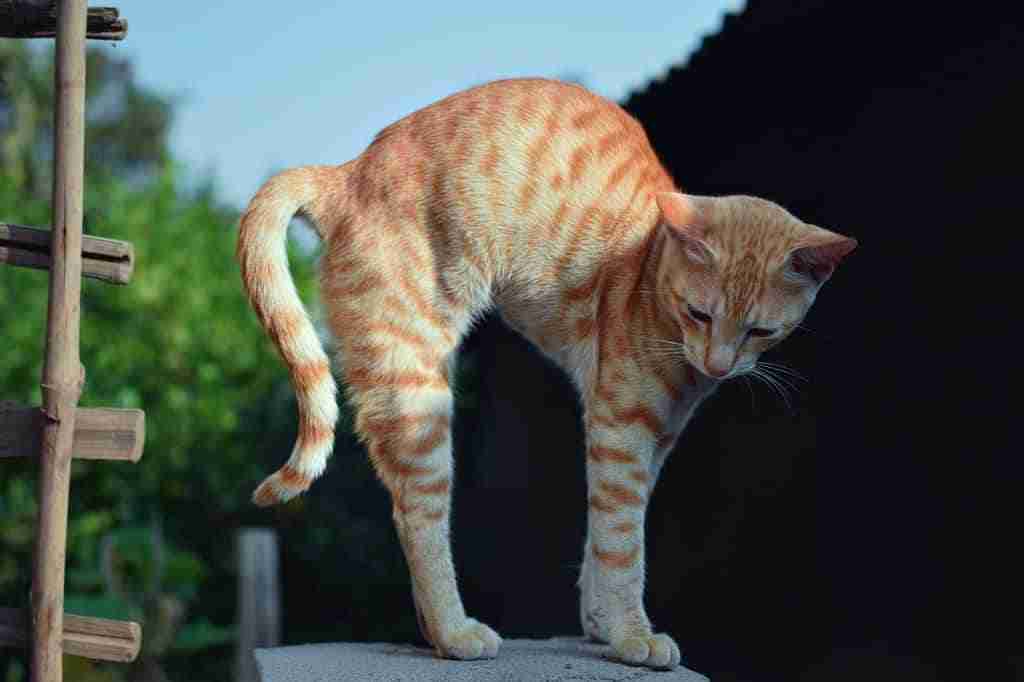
[271,290]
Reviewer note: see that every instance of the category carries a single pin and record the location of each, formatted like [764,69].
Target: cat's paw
[653,651]
[591,620]
[471,640]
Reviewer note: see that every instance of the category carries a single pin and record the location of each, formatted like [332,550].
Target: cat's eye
[698,315]
[761,332]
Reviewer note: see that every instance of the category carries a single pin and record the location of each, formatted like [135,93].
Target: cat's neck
[647,282]
[650,299]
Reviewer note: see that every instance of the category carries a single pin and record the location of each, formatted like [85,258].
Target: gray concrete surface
[549,660]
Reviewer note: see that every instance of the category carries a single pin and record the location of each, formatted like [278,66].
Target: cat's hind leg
[406,421]
[396,370]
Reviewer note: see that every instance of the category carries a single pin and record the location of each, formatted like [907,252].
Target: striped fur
[264,262]
[546,201]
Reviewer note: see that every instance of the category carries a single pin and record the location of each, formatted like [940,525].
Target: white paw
[653,651]
[591,619]
[471,640]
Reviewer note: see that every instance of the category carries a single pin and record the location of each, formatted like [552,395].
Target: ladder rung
[97,638]
[100,433]
[109,260]
[34,19]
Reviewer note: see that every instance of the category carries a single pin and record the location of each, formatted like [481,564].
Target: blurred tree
[127,124]
[180,341]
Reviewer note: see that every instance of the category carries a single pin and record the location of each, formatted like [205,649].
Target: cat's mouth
[724,377]
[691,358]
[731,374]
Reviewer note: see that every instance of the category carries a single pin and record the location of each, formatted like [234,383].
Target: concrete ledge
[554,660]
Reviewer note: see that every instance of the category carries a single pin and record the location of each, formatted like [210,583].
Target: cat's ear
[684,221]
[818,253]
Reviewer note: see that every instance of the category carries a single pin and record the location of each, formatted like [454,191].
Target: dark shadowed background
[867,532]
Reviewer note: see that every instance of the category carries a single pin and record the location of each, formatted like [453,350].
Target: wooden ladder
[59,430]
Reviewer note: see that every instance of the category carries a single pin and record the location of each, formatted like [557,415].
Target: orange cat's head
[738,274]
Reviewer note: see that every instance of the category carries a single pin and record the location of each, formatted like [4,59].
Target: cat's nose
[719,361]
[717,371]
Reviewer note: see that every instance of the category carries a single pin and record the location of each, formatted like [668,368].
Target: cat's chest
[677,406]
[693,394]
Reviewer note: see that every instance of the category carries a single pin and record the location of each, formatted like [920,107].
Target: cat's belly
[545,324]
[543,333]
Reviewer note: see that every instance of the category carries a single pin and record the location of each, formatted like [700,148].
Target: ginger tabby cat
[545,201]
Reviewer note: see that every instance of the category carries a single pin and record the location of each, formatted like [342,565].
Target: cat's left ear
[818,253]
[684,219]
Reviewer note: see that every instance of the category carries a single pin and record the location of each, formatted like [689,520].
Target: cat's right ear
[819,252]
[682,218]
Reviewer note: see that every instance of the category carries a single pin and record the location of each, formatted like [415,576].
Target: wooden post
[259,600]
[62,373]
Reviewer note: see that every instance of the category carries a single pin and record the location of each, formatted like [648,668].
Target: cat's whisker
[789,386]
[782,379]
[780,369]
[659,339]
[779,390]
[774,384]
[791,382]
[818,336]
[774,364]
[666,349]
[673,357]
[663,343]
[786,390]
[668,352]
[783,369]
[750,390]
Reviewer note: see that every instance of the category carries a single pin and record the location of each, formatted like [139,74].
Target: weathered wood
[62,373]
[38,19]
[96,638]
[259,599]
[109,260]
[100,433]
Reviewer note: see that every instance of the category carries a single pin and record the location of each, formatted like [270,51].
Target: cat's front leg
[621,446]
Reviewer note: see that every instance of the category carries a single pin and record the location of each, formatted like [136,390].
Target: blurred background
[866,530]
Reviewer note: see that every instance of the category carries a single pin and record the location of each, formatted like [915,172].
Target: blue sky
[313,82]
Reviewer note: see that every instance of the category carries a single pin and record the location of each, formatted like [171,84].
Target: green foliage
[181,342]
[202,634]
[127,124]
